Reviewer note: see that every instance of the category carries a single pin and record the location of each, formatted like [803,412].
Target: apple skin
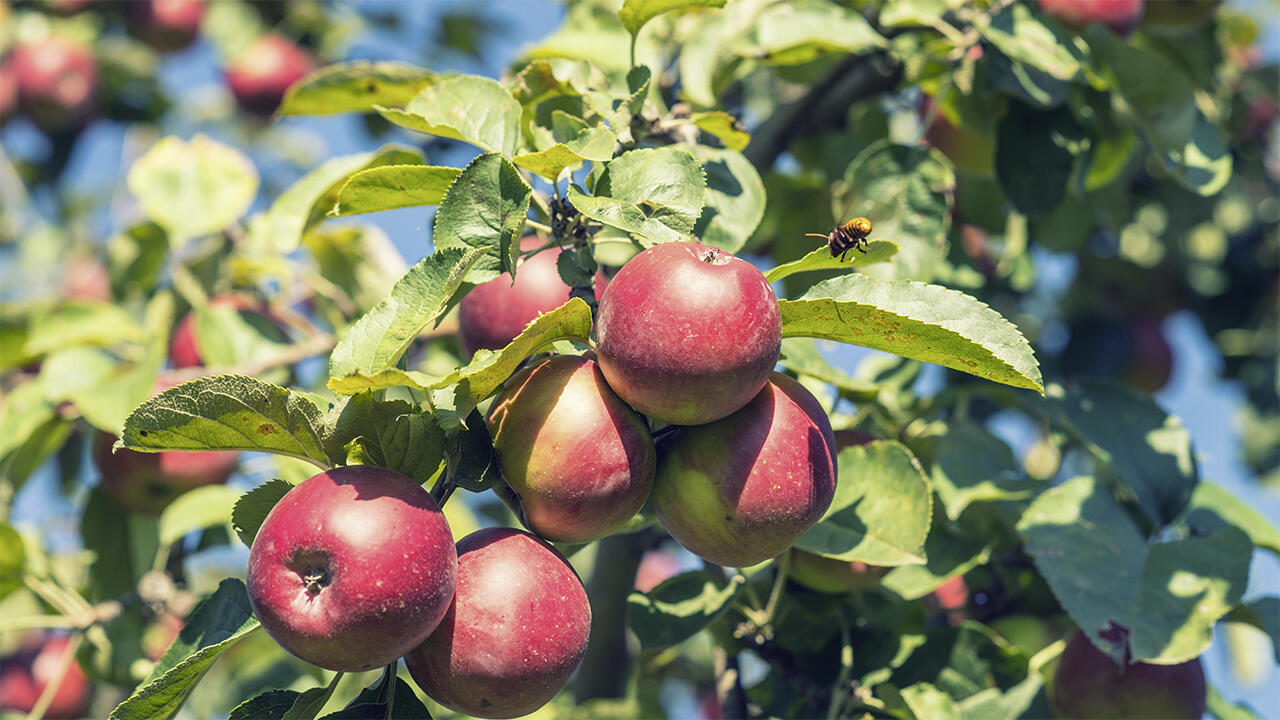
[1121,16]
[259,76]
[832,576]
[8,91]
[580,460]
[184,347]
[24,675]
[741,490]
[655,566]
[166,25]
[145,483]
[516,631]
[57,81]
[353,568]
[494,313]
[1087,684]
[687,333]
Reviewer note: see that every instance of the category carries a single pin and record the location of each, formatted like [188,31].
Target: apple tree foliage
[990,145]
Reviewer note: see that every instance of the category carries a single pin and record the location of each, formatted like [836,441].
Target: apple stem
[389,687]
[783,566]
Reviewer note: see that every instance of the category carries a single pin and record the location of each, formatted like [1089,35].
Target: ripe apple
[742,489]
[166,25]
[57,81]
[1120,15]
[1150,362]
[353,568]
[24,675]
[517,629]
[259,76]
[145,483]
[832,576]
[184,347]
[1088,684]
[494,313]
[580,460]
[687,333]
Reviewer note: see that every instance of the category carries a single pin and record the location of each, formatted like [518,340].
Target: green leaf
[1160,600]
[587,143]
[801,356]
[270,705]
[1072,531]
[359,381]
[917,321]
[962,662]
[371,704]
[655,193]
[1187,585]
[12,559]
[354,87]
[904,13]
[228,412]
[1139,445]
[1035,154]
[470,108]
[972,465]
[392,434]
[1212,507]
[80,323]
[26,407]
[197,509]
[798,32]
[230,337]
[381,336]
[734,198]
[216,624]
[193,188]
[927,701]
[252,508]
[881,511]
[393,186]
[679,607]
[308,201]
[473,463]
[1222,709]
[820,259]
[1264,614]
[950,553]
[635,13]
[1163,98]
[462,389]
[908,193]
[486,209]
[723,126]
[1019,34]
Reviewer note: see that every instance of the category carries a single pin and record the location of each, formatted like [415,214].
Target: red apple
[829,575]
[1120,15]
[687,333]
[655,566]
[493,314]
[741,490]
[259,76]
[1089,684]
[57,80]
[25,674]
[8,90]
[146,483]
[166,25]
[579,459]
[352,568]
[517,629]
[184,347]
[1150,363]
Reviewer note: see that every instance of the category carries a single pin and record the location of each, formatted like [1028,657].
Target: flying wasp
[846,237]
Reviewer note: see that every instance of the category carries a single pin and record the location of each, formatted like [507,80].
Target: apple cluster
[356,567]
[688,336]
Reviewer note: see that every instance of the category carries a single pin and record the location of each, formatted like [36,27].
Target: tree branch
[824,106]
